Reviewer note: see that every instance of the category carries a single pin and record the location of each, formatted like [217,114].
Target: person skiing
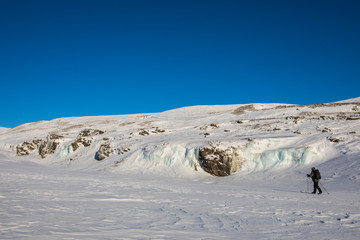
[315,176]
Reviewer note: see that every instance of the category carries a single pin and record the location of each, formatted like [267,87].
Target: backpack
[317,174]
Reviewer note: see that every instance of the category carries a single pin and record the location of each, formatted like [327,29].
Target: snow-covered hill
[220,140]
[2,129]
[154,176]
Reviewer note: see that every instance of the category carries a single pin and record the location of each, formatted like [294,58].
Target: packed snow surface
[140,176]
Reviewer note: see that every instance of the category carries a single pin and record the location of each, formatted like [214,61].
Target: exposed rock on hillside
[45,147]
[145,132]
[81,141]
[82,138]
[26,148]
[90,132]
[49,145]
[105,151]
[54,136]
[243,109]
[219,162]
[212,126]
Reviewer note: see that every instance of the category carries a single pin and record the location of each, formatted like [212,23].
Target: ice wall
[181,160]
[64,151]
[277,158]
[178,159]
[168,159]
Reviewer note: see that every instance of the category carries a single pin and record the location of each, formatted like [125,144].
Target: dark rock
[27,147]
[213,125]
[333,139]
[158,130]
[326,130]
[352,118]
[123,150]
[54,136]
[215,161]
[90,132]
[47,147]
[144,132]
[81,141]
[105,151]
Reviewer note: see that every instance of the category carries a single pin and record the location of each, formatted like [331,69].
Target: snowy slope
[352,100]
[259,137]
[144,176]
[2,129]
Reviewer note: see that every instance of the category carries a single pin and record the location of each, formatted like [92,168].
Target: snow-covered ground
[140,176]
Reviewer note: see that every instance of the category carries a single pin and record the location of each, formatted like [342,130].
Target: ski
[309,193]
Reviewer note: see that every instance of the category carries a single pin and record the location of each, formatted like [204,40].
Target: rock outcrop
[219,161]
[83,138]
[90,132]
[244,109]
[44,147]
[80,141]
[26,148]
[104,151]
[49,145]
[145,132]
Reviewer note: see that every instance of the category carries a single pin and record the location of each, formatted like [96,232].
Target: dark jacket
[312,176]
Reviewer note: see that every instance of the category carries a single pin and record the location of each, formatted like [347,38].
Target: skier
[315,176]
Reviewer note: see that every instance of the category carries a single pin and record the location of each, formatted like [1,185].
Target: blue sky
[85,58]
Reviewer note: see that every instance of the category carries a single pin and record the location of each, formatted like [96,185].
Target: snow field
[53,203]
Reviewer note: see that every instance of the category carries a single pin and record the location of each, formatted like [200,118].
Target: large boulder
[219,161]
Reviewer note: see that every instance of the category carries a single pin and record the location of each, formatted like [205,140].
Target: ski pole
[307,184]
[324,188]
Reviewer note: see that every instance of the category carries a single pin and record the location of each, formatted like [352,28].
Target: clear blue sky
[83,58]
